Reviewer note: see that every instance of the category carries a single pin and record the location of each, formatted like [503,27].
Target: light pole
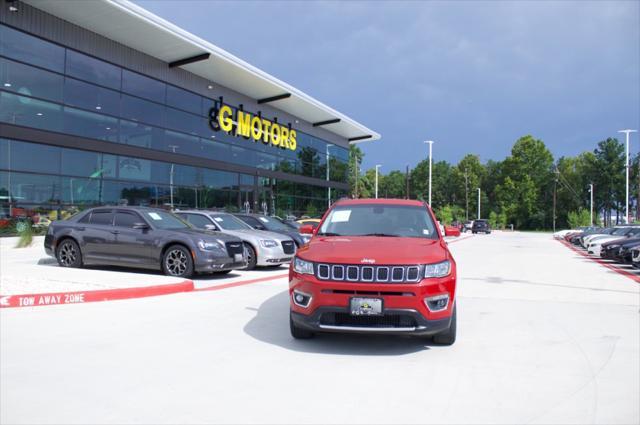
[430,142]
[328,187]
[626,211]
[591,195]
[466,194]
[478,203]
[377,166]
[173,148]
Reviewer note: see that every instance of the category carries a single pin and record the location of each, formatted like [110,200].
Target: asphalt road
[544,336]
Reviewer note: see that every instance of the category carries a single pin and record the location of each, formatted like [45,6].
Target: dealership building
[102,102]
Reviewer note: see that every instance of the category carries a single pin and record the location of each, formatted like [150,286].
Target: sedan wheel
[251,257]
[177,262]
[68,254]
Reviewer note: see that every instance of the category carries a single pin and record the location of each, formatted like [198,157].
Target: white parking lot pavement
[544,336]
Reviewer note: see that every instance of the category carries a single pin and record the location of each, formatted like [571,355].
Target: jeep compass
[374,266]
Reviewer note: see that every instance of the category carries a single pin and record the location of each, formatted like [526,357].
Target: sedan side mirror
[141,226]
[306,229]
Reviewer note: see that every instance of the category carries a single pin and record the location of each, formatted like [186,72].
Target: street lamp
[328,187]
[377,166]
[591,195]
[430,142]
[626,211]
[478,203]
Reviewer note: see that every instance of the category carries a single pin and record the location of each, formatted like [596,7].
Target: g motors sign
[249,126]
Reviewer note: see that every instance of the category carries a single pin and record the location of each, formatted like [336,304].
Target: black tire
[252,259]
[299,333]
[68,254]
[177,262]
[447,337]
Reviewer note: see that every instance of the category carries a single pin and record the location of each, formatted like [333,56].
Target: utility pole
[327,176]
[626,210]
[407,182]
[356,189]
[478,203]
[377,167]
[591,196]
[466,193]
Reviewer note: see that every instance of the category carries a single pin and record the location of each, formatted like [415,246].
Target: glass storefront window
[22,110]
[135,109]
[142,86]
[27,48]
[93,98]
[88,124]
[138,134]
[23,157]
[30,81]
[93,70]
[184,100]
[81,163]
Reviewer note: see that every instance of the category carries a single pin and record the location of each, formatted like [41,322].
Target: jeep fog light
[301,299]
[437,303]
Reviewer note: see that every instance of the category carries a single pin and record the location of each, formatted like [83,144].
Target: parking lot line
[623,272]
[241,283]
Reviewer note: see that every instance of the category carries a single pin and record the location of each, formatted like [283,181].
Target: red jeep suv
[374,266]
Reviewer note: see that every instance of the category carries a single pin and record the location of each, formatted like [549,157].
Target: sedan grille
[288,247]
[234,248]
[366,274]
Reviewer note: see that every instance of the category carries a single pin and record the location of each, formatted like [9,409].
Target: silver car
[263,248]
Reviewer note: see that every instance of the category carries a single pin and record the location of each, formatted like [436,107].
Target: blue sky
[471,75]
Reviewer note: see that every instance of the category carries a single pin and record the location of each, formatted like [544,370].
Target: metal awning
[135,27]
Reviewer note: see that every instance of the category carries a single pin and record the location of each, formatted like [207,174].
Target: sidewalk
[26,273]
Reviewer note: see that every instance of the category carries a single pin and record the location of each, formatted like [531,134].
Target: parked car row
[619,243]
[180,244]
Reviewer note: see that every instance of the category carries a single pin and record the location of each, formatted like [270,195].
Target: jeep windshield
[406,221]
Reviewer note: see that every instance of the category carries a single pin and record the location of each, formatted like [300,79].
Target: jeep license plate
[366,306]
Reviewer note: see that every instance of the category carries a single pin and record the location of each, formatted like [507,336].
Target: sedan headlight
[268,243]
[209,246]
[302,267]
[437,270]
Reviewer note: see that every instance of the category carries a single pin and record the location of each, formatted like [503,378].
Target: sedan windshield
[229,222]
[379,220]
[165,220]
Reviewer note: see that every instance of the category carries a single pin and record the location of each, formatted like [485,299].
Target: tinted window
[26,48]
[88,124]
[251,221]
[229,222]
[81,163]
[198,221]
[140,110]
[30,112]
[102,217]
[165,220]
[94,70]
[44,159]
[124,219]
[30,81]
[142,86]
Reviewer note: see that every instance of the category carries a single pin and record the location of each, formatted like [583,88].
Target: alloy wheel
[176,262]
[68,254]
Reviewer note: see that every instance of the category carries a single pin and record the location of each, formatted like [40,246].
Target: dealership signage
[249,126]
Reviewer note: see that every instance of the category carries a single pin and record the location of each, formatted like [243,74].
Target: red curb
[241,283]
[81,297]
[623,272]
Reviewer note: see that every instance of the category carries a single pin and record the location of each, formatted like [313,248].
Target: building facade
[87,120]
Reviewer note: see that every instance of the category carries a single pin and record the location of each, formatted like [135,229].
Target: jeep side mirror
[306,229]
[211,227]
[141,226]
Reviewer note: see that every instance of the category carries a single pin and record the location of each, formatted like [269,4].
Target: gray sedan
[263,248]
[142,237]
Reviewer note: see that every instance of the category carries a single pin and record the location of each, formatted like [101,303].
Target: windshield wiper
[388,235]
[329,234]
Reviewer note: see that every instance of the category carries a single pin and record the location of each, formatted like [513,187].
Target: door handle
[115,232]
[80,228]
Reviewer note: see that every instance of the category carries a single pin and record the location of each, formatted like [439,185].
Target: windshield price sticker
[340,216]
[218,219]
[155,216]
[264,220]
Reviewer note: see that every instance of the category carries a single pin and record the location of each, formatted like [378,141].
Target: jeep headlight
[437,270]
[209,245]
[268,243]
[302,267]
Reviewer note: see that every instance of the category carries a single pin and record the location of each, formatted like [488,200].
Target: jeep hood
[374,250]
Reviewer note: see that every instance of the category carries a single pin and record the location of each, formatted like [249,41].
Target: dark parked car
[480,226]
[262,222]
[141,237]
[620,250]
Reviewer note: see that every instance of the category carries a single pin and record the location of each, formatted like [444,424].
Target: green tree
[578,218]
